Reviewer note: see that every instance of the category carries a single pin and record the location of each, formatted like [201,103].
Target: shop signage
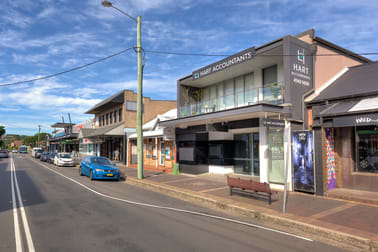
[225,63]
[274,123]
[301,68]
[169,133]
[356,120]
[303,161]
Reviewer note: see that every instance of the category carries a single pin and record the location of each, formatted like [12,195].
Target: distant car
[99,168]
[44,156]
[36,152]
[4,153]
[14,151]
[64,159]
[51,157]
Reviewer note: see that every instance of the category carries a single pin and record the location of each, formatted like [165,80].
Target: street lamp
[106,3]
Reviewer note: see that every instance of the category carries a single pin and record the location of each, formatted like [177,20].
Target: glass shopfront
[246,158]
[367,149]
[276,155]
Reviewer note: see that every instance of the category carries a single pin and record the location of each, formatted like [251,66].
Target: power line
[167,53]
[67,71]
[266,55]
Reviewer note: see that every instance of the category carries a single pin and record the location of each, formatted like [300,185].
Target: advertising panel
[303,161]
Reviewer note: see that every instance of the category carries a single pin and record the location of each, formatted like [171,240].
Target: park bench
[250,186]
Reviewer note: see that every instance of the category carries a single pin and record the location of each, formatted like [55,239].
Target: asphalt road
[63,215]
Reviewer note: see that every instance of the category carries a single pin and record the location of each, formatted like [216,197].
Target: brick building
[115,119]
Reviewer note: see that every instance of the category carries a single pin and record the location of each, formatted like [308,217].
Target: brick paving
[356,218]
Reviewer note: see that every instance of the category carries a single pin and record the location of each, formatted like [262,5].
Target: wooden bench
[249,186]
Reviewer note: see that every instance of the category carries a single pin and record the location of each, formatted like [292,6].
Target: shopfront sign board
[233,60]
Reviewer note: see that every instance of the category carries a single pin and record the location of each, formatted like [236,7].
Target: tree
[2,132]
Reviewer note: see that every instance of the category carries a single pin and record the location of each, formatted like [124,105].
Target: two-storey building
[237,115]
[115,119]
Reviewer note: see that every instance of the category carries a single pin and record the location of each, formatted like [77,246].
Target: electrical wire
[167,53]
[227,55]
[69,70]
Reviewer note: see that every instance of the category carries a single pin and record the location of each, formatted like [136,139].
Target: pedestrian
[116,155]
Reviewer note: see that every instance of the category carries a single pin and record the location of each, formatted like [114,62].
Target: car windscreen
[101,161]
[64,155]
[39,151]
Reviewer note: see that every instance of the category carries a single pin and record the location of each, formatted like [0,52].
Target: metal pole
[39,132]
[139,101]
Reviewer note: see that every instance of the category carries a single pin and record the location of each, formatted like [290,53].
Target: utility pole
[139,49]
[139,101]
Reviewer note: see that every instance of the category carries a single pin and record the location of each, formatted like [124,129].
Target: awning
[351,107]
[361,112]
[252,111]
[147,134]
[112,130]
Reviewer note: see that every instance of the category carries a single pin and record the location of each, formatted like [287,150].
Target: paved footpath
[340,221]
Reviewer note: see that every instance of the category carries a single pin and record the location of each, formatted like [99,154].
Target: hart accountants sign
[225,63]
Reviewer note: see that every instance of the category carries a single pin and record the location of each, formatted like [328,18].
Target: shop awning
[148,134]
[112,130]
[351,107]
[252,111]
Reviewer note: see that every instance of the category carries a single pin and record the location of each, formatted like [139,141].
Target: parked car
[44,156]
[14,151]
[36,152]
[51,157]
[4,153]
[99,168]
[64,159]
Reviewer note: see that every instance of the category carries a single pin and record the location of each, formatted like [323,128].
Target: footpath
[348,224]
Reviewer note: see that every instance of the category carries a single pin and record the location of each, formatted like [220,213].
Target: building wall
[326,67]
[151,109]
[153,162]
[103,113]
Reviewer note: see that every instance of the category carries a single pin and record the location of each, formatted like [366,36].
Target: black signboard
[356,120]
[274,123]
[233,60]
[303,161]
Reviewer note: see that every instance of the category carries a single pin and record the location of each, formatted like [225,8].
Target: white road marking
[29,239]
[175,209]
[15,215]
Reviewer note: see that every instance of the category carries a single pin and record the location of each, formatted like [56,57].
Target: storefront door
[246,158]
[276,155]
[162,153]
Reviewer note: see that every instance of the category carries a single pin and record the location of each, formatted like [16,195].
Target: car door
[86,166]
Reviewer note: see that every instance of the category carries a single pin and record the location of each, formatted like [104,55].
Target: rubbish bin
[176,169]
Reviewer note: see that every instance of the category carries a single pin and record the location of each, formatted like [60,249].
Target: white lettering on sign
[301,69]
[365,120]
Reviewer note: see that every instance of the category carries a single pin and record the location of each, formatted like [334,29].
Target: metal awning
[112,130]
[252,111]
[358,106]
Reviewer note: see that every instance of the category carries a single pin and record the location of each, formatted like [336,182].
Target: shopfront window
[367,149]
[276,155]
[246,158]
[229,94]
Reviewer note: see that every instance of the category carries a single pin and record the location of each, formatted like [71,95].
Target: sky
[43,37]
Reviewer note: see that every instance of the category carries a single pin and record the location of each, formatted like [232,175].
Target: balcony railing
[272,94]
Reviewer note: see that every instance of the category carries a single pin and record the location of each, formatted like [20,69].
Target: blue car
[99,168]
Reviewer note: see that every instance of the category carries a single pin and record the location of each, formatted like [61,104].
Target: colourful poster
[303,162]
[330,157]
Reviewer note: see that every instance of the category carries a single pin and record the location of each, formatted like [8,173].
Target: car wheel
[91,175]
[80,172]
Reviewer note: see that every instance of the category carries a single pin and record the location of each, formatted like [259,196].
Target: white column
[264,155]
[157,152]
[287,154]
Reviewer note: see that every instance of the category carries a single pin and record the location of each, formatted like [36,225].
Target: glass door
[246,157]
[162,153]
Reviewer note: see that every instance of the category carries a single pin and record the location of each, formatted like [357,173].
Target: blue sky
[42,37]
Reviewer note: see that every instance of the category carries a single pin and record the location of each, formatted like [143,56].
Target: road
[62,211]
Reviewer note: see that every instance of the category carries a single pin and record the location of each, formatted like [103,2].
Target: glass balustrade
[272,94]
